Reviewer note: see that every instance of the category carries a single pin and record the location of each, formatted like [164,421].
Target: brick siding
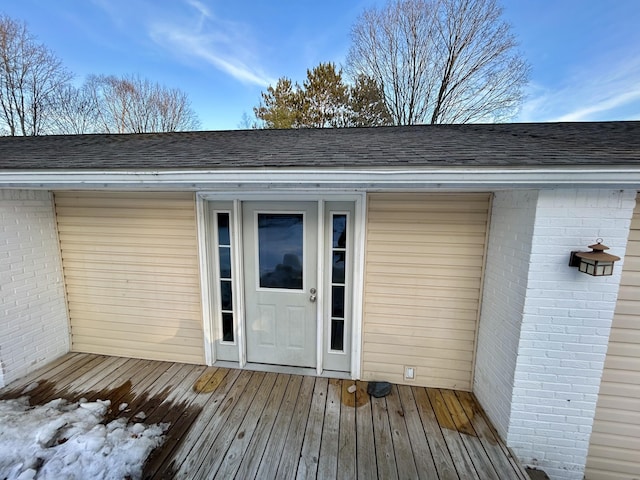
[565,323]
[34,325]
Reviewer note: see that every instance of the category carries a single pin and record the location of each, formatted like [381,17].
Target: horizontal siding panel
[167,355]
[183,337]
[616,415]
[623,336]
[625,376]
[419,315]
[455,359]
[427,343]
[185,334]
[156,258]
[125,241]
[161,286]
[452,379]
[140,223]
[131,273]
[424,260]
[444,333]
[169,322]
[110,269]
[130,312]
[133,210]
[446,272]
[413,290]
[615,441]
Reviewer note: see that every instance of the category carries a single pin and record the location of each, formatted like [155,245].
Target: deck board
[227,423]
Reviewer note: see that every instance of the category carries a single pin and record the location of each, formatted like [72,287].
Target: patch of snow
[71,441]
[123,406]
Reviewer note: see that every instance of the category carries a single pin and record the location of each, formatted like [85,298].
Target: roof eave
[324,179]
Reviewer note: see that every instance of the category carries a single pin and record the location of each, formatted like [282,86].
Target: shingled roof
[501,145]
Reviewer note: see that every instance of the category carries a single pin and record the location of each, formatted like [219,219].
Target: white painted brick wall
[566,319]
[34,327]
[505,284]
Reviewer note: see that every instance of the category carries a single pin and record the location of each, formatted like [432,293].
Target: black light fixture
[596,262]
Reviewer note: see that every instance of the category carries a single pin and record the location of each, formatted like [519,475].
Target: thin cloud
[214,41]
[203,47]
[601,93]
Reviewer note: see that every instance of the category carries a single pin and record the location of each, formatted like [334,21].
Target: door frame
[207,274]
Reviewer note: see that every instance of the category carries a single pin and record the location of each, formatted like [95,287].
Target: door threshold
[285,369]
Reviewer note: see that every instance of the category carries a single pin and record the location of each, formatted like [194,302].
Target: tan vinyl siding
[131,272]
[424,262]
[614,452]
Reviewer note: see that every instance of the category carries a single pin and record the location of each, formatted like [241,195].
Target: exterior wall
[132,274]
[566,319]
[615,441]
[34,328]
[505,287]
[423,276]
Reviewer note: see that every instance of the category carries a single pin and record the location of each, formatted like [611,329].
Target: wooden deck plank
[425,466]
[240,443]
[209,426]
[347,465]
[95,379]
[202,399]
[405,462]
[328,462]
[217,449]
[229,423]
[47,382]
[501,458]
[16,387]
[469,437]
[296,432]
[176,410]
[437,444]
[385,456]
[308,464]
[271,457]
[366,447]
[457,450]
[251,461]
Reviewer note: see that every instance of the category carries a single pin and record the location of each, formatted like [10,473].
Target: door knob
[312,297]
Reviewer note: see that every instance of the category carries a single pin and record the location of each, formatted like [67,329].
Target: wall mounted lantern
[596,262]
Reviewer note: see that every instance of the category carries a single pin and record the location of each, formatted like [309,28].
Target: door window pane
[337,335]
[226,295]
[339,231]
[226,278]
[225,262]
[280,250]
[338,265]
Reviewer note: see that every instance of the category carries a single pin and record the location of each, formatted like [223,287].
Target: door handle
[312,297]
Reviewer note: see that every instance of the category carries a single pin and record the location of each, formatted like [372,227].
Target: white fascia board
[379,179]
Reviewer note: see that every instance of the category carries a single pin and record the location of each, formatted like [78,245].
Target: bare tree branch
[440,61]
[30,79]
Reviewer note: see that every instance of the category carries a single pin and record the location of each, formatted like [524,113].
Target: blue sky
[585,54]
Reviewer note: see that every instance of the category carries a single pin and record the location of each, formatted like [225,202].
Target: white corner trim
[239,293]
[205,283]
[360,222]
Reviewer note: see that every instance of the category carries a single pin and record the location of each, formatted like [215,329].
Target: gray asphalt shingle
[500,145]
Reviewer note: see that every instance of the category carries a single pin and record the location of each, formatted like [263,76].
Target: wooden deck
[229,423]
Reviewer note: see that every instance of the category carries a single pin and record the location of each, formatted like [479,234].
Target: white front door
[280,280]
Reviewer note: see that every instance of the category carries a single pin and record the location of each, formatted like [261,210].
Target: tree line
[38,97]
[410,62]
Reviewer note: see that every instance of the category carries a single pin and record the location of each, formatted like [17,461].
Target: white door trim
[359,199]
